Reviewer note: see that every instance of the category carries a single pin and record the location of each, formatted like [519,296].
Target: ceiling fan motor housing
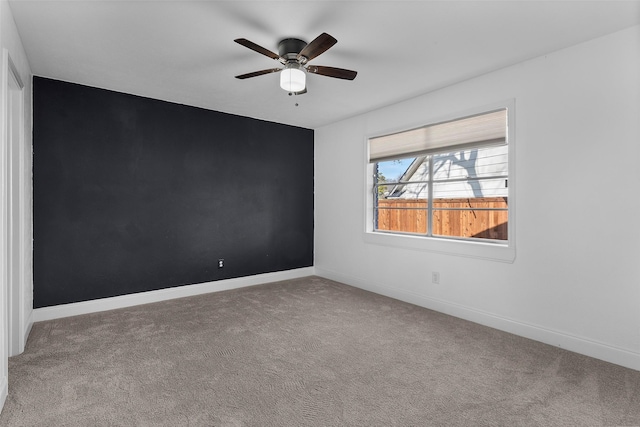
[290,48]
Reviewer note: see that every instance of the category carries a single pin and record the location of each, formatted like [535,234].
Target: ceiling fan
[295,55]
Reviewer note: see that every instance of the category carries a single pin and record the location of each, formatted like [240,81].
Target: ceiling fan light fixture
[293,78]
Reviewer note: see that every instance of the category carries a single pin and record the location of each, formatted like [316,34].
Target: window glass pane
[472,163]
[405,220]
[472,188]
[403,191]
[475,208]
[471,203]
[409,169]
[471,223]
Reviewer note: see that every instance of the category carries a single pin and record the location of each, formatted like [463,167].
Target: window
[448,180]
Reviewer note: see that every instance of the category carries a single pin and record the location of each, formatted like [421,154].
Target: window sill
[470,249]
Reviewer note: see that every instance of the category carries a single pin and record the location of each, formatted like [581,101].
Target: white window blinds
[489,128]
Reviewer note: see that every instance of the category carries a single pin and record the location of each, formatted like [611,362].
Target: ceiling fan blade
[339,73]
[251,45]
[319,45]
[258,73]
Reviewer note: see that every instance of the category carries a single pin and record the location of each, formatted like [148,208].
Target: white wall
[575,281]
[21,187]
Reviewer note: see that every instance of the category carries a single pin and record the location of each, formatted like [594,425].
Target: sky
[393,169]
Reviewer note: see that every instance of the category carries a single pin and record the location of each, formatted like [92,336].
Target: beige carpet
[303,352]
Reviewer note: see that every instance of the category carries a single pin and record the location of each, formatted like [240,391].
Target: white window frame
[504,251]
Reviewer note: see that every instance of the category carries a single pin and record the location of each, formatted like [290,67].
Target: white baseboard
[4,391]
[27,331]
[104,304]
[587,347]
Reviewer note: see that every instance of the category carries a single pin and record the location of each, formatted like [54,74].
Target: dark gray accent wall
[133,194]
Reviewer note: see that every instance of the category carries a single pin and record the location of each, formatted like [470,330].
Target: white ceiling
[183,51]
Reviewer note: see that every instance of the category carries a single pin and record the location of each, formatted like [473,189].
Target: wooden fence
[468,219]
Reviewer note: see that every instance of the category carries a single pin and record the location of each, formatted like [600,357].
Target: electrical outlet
[435,278]
[220,263]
